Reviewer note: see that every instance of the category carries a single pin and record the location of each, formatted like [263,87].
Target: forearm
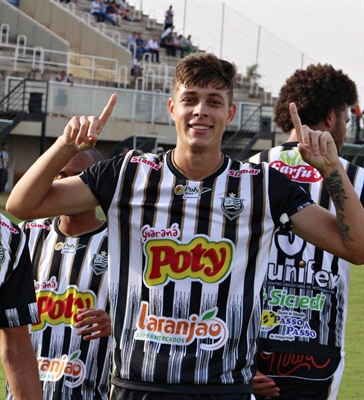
[20,365]
[35,184]
[349,210]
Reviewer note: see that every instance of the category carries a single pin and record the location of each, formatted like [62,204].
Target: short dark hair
[316,91]
[202,69]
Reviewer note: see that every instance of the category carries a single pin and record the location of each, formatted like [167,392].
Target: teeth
[200,127]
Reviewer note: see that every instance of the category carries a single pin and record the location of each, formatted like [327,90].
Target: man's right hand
[263,385]
[81,133]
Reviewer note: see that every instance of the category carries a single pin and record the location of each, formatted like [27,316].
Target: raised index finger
[107,110]
[296,120]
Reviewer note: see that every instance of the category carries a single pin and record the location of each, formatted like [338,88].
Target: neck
[79,224]
[198,166]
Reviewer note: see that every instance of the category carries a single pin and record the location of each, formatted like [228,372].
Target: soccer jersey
[17,298]
[187,261]
[69,273]
[305,289]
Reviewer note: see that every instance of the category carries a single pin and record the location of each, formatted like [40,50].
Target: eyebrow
[193,92]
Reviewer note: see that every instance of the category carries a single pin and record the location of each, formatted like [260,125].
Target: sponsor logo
[270,319]
[292,166]
[296,276]
[68,366]
[181,331]
[144,160]
[280,297]
[200,260]
[61,308]
[33,224]
[294,328]
[8,227]
[99,263]
[153,233]
[239,172]
[68,248]
[189,192]
[232,206]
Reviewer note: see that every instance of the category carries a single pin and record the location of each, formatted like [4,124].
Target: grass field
[353,380]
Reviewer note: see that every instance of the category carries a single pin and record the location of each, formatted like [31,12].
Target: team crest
[232,206]
[2,255]
[99,263]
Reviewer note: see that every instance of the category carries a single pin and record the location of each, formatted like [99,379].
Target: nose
[200,109]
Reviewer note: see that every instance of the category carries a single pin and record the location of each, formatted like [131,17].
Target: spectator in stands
[189,47]
[139,41]
[97,9]
[136,68]
[112,11]
[179,44]
[125,12]
[168,18]
[131,43]
[152,47]
[356,113]
[61,99]
[165,35]
[170,45]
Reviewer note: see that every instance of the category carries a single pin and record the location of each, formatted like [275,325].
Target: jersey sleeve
[285,195]
[102,179]
[17,296]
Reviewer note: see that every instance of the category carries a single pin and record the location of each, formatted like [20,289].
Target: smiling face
[201,115]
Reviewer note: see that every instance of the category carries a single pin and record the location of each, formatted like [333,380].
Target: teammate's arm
[36,195]
[19,362]
[342,235]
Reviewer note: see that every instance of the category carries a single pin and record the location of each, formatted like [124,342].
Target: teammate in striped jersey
[301,344]
[18,309]
[189,236]
[72,338]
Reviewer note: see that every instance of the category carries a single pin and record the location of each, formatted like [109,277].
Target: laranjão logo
[53,369]
[61,308]
[181,331]
[200,260]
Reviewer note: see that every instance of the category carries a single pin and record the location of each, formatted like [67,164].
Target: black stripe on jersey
[175,217]
[257,217]
[151,198]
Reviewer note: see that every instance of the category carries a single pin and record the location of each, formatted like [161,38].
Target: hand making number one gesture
[317,148]
[81,133]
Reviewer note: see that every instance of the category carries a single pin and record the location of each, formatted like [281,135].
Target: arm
[263,385]
[96,321]
[20,364]
[64,196]
[342,235]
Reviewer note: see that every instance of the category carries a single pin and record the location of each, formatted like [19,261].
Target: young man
[308,336]
[189,234]
[18,309]
[70,270]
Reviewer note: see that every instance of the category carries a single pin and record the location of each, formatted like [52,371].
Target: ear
[231,113]
[170,106]
[330,120]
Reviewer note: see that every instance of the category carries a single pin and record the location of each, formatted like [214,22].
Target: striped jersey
[17,298]
[69,273]
[187,261]
[305,289]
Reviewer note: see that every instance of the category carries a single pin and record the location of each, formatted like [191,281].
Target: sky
[327,31]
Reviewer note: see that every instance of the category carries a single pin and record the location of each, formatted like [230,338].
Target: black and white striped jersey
[17,298]
[187,261]
[69,273]
[306,289]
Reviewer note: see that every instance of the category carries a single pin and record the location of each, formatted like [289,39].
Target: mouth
[199,127]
